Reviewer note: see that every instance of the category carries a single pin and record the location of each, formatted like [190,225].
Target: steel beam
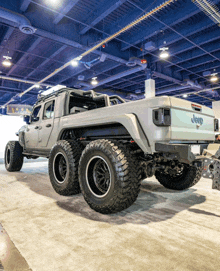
[173,19]
[104,10]
[199,61]
[185,46]
[195,53]
[75,44]
[64,11]
[24,5]
[117,76]
[31,48]
[47,60]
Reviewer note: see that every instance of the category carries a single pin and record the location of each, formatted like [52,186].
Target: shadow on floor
[155,203]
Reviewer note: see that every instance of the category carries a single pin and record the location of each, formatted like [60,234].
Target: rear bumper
[181,152]
[209,156]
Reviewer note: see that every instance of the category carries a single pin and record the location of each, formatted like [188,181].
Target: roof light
[94,82]
[74,63]
[6,62]
[185,95]
[37,86]
[214,77]
[164,52]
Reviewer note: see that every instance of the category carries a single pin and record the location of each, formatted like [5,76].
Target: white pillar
[149,88]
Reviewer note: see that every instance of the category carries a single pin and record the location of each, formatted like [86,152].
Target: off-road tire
[124,172]
[189,178]
[13,156]
[71,151]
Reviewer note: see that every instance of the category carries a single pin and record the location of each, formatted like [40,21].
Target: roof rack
[43,98]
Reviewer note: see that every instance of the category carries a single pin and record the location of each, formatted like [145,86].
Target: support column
[149,88]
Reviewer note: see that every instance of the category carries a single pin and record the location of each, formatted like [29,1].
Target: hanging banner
[19,109]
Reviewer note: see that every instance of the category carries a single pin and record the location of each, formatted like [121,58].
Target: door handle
[48,125]
[36,127]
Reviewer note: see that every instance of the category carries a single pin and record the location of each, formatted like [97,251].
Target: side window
[49,110]
[36,114]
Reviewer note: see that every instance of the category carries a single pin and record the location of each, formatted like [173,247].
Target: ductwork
[22,22]
[84,84]
[188,85]
[119,75]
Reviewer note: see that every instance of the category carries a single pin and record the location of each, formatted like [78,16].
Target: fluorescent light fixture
[74,63]
[164,52]
[94,81]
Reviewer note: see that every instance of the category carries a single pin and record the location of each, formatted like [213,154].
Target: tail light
[162,117]
[216,125]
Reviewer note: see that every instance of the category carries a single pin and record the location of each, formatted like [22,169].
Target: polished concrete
[163,230]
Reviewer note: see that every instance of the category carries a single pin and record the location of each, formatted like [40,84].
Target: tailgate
[191,121]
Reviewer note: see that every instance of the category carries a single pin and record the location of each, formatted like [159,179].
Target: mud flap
[211,165]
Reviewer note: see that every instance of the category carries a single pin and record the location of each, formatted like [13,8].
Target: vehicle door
[46,124]
[32,130]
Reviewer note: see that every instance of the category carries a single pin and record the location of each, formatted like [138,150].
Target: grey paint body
[135,116]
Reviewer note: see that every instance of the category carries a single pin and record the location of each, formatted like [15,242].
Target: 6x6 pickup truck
[102,146]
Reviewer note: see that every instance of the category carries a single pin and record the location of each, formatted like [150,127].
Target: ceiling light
[6,62]
[74,63]
[94,82]
[185,95]
[164,52]
[214,77]
[37,86]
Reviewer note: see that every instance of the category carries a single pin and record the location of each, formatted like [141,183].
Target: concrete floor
[163,230]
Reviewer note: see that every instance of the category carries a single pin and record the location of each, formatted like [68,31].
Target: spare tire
[13,156]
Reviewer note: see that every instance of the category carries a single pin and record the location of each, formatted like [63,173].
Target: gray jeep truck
[102,146]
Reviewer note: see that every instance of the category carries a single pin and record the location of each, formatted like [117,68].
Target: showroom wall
[9,125]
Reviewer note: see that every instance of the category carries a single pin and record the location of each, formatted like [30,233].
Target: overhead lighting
[74,63]
[185,95]
[164,52]
[214,77]
[6,62]
[94,81]
[37,86]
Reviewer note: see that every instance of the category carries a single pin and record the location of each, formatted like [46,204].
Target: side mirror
[35,119]
[27,119]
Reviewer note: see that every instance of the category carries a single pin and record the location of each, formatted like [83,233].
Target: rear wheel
[109,176]
[13,156]
[188,177]
[63,167]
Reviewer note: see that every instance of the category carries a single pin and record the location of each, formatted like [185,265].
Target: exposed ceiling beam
[75,44]
[104,10]
[24,5]
[168,22]
[31,48]
[204,67]
[198,61]
[47,60]
[7,36]
[195,53]
[184,48]
[64,11]
[186,11]
[119,75]
[97,73]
